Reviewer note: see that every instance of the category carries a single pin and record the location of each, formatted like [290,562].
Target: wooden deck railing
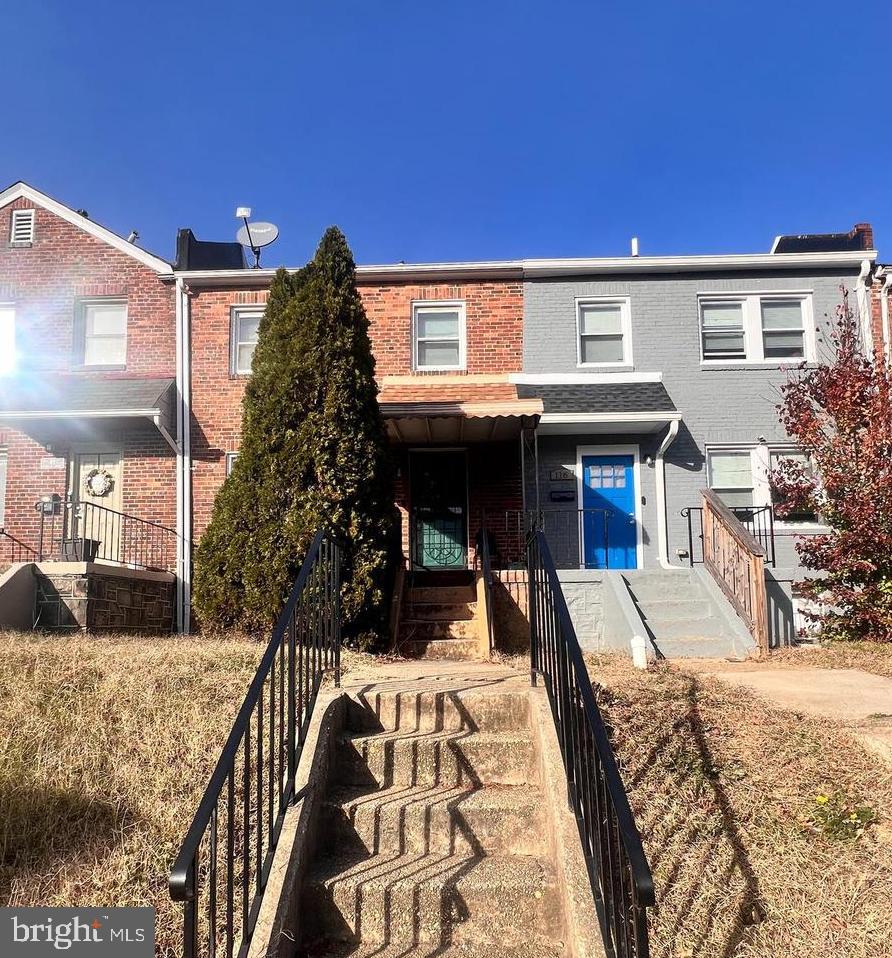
[737,562]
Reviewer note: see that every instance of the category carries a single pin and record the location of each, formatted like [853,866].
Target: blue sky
[457,130]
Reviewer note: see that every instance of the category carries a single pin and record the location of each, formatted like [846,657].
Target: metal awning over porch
[459,422]
[51,407]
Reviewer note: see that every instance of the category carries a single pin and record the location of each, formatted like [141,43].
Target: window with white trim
[438,336]
[4,460]
[230,462]
[243,337]
[730,474]
[102,333]
[776,459]
[21,227]
[603,328]
[7,339]
[740,476]
[756,328]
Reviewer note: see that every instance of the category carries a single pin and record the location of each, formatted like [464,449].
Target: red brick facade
[494,331]
[44,283]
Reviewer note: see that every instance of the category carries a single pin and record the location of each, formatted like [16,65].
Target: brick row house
[598,395]
[88,392]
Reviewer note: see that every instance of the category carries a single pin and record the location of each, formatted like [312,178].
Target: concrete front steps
[436,833]
[440,617]
[685,617]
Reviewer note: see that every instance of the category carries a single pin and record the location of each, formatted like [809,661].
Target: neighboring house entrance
[99,516]
[439,504]
[610,529]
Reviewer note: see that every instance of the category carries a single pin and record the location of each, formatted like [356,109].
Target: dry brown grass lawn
[107,744]
[723,787]
[868,656]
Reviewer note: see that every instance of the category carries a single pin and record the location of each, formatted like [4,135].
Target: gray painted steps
[684,619]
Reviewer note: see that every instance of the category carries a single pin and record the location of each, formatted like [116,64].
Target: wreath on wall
[99,483]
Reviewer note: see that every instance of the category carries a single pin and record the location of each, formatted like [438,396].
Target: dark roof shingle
[600,397]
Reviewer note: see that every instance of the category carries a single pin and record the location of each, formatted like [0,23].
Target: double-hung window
[731,475]
[243,338]
[756,328]
[604,332]
[438,336]
[102,333]
[741,477]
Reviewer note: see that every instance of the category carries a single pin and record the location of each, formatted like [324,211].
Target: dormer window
[21,228]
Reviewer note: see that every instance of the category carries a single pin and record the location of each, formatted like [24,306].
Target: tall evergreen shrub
[313,455]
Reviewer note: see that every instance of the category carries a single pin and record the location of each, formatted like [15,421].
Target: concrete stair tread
[525,873]
[457,648]
[520,736]
[500,797]
[535,948]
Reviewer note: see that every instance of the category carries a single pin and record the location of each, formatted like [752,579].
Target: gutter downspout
[186,308]
[662,531]
[864,308]
[884,312]
[179,451]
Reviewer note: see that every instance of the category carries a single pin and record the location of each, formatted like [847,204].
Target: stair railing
[736,561]
[758,521]
[225,860]
[619,875]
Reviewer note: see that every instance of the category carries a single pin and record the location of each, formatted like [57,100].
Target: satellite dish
[255,235]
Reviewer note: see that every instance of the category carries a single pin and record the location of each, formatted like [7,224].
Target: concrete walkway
[858,700]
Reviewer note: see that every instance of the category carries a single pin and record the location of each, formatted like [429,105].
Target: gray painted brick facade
[719,403]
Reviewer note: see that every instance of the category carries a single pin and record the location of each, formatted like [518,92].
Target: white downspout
[186,307]
[884,312]
[178,303]
[660,466]
[864,308]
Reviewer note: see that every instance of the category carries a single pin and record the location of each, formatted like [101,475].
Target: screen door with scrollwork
[439,494]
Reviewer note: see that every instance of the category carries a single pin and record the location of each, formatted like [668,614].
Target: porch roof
[456,412]
[633,407]
[53,404]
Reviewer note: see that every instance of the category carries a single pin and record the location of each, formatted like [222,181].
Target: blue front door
[609,529]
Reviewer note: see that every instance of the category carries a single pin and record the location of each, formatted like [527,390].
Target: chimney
[865,232]
[634,245]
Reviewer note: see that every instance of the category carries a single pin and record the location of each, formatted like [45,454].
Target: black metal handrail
[225,860]
[512,527]
[13,550]
[758,521]
[619,874]
[91,531]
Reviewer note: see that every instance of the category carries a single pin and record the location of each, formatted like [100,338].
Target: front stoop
[440,619]
[435,833]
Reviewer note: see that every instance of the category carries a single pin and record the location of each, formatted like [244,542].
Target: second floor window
[756,328]
[603,332]
[438,336]
[245,330]
[102,333]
